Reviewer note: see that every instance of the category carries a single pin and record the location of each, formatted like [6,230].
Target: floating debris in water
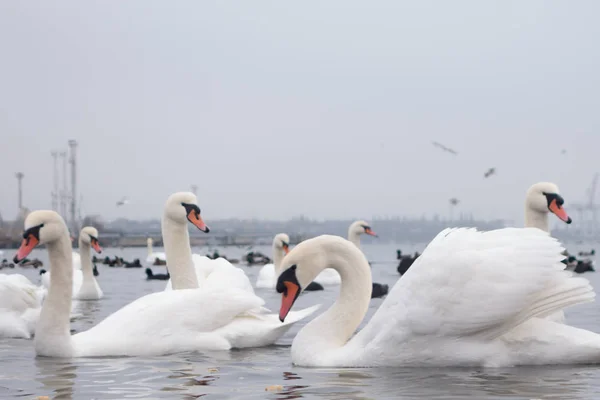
[273,388]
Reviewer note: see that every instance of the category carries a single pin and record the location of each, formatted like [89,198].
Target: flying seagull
[441,146]
[123,201]
[489,172]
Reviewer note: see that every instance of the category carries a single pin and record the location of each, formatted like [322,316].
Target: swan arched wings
[468,283]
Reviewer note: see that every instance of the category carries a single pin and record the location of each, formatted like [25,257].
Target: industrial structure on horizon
[63,200]
[585,215]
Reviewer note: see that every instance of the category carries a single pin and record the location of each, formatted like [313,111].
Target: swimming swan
[470,299]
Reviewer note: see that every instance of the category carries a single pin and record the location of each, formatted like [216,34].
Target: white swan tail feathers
[261,329]
[295,316]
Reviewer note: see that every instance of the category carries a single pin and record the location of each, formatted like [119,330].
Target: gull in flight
[441,146]
[123,201]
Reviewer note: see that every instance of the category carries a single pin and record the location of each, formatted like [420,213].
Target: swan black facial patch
[554,196]
[289,275]
[34,231]
[191,207]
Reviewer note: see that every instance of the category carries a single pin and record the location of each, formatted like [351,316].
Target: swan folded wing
[257,329]
[480,284]
[220,273]
[229,277]
[167,322]
[18,298]
[16,279]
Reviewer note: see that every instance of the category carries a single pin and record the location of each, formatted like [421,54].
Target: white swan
[267,276]
[187,270]
[541,199]
[88,288]
[190,319]
[153,256]
[20,306]
[470,299]
[85,286]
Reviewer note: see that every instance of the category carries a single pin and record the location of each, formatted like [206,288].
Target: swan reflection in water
[56,376]
[520,382]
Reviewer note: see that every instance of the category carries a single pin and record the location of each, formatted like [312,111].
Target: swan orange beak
[27,245]
[96,245]
[559,211]
[288,298]
[368,231]
[196,219]
[286,248]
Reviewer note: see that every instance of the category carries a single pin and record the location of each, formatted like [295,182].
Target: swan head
[545,197]
[306,261]
[182,206]
[89,235]
[281,241]
[41,227]
[360,227]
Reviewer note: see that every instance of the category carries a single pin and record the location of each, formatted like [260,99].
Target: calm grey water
[246,373]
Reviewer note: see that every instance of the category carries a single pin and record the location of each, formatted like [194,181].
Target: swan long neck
[278,254]
[53,329]
[354,237]
[536,219]
[149,247]
[332,329]
[85,253]
[179,255]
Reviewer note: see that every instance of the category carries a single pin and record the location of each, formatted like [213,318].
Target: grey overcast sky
[321,108]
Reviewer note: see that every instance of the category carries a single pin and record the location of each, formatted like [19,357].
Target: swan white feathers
[191,319]
[20,306]
[471,299]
